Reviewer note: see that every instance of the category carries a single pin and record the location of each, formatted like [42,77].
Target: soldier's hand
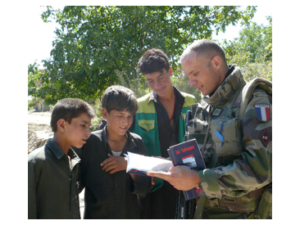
[114,164]
[181,177]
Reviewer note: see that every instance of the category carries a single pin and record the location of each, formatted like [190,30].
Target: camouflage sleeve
[254,169]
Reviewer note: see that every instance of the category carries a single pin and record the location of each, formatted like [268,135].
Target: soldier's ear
[216,62]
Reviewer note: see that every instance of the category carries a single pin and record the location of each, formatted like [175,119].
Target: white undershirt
[116,153]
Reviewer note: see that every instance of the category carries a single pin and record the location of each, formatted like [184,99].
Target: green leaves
[252,50]
[95,41]
[255,40]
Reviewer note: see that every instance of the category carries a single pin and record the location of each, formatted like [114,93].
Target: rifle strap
[199,207]
[201,200]
[207,131]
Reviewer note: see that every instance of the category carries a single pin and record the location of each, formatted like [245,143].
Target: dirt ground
[39,127]
[37,122]
[39,118]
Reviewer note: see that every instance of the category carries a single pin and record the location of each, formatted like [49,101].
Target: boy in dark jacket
[53,168]
[110,192]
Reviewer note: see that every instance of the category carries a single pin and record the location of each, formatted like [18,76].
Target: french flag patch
[263,112]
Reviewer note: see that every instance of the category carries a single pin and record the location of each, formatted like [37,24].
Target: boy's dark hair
[119,98]
[153,60]
[69,108]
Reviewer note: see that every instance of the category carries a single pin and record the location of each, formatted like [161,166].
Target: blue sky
[41,41]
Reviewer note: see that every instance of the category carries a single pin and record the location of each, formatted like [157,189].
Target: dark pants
[160,204]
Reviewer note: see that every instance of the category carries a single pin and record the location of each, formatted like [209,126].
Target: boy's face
[160,82]
[78,131]
[118,122]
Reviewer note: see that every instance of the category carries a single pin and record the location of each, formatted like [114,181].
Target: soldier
[233,126]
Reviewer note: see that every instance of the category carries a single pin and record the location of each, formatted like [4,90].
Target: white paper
[147,163]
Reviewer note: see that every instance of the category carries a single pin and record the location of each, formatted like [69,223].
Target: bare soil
[37,121]
[38,127]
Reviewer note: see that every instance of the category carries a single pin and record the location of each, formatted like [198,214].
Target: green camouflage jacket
[238,151]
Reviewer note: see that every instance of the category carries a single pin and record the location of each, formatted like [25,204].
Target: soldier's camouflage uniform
[238,152]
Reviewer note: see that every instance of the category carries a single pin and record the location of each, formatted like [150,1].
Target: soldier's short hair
[69,108]
[119,98]
[153,60]
[205,47]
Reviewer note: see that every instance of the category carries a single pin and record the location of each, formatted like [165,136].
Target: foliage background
[100,46]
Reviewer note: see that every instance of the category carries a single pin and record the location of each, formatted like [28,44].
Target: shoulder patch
[263,112]
[265,137]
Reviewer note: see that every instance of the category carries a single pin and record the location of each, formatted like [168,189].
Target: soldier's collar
[226,90]
[230,70]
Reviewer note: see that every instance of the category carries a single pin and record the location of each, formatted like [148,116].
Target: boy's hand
[114,164]
[153,180]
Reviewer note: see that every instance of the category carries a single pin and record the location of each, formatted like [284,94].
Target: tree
[252,50]
[95,42]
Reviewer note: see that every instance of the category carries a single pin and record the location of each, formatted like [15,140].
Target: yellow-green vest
[146,125]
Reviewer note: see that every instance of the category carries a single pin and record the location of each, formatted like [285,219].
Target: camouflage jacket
[238,151]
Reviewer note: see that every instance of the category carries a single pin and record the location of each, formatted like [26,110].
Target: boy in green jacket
[160,122]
